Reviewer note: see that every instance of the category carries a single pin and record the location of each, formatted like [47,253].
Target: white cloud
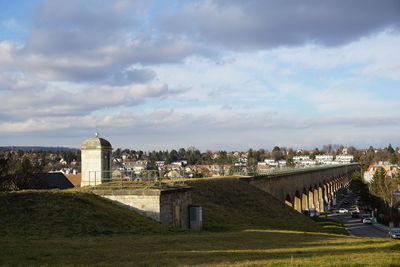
[59,102]
[114,67]
[374,55]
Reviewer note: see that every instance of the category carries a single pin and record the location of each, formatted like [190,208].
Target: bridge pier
[321,199]
[330,187]
[316,199]
[326,197]
[304,203]
[297,203]
[311,204]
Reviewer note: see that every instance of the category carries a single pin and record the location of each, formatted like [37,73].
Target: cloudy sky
[214,74]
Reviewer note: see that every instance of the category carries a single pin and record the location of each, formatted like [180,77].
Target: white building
[331,162]
[179,163]
[282,162]
[271,162]
[344,158]
[298,159]
[308,162]
[136,166]
[324,159]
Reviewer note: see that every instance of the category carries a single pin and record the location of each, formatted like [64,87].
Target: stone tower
[96,161]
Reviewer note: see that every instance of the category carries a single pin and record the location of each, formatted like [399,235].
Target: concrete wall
[168,206]
[147,204]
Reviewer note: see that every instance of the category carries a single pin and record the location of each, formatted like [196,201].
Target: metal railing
[158,179]
[131,179]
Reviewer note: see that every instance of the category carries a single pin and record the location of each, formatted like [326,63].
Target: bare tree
[383,187]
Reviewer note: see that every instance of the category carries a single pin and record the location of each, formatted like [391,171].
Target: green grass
[244,227]
[330,226]
[230,204]
[237,248]
[56,213]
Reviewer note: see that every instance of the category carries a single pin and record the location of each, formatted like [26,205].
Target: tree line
[18,174]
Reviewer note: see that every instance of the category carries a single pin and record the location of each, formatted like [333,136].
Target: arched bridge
[307,190]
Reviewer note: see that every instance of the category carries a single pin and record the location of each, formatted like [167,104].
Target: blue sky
[212,74]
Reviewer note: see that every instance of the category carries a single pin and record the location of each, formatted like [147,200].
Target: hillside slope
[56,213]
[228,204]
[233,204]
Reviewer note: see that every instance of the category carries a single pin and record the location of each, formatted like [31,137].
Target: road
[354,225]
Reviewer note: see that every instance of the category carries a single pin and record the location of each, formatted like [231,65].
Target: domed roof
[96,143]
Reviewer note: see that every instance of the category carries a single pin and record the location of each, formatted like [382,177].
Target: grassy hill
[77,228]
[57,213]
[230,204]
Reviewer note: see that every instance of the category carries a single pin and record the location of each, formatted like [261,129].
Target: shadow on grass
[296,232]
[348,254]
[213,248]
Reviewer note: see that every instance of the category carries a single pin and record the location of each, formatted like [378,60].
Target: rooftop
[96,143]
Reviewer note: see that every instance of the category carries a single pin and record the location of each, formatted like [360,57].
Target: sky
[213,74]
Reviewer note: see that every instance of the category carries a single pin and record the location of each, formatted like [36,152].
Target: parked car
[343,210]
[367,220]
[355,214]
[365,216]
[394,233]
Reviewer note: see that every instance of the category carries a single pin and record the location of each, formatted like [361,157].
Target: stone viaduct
[306,190]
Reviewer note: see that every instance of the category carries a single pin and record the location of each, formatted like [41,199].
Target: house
[324,159]
[344,158]
[307,162]
[174,174]
[179,163]
[160,163]
[263,168]
[136,166]
[271,162]
[282,162]
[61,180]
[214,155]
[391,170]
[300,159]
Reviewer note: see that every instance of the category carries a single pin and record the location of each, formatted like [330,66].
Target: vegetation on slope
[55,213]
[230,204]
[266,235]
